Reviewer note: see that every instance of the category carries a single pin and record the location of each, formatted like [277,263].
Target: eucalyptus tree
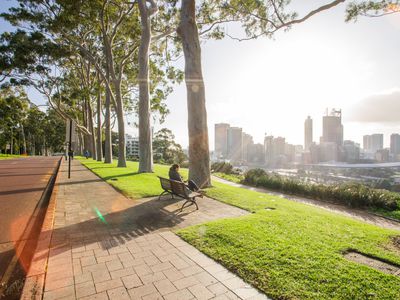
[371,9]
[258,18]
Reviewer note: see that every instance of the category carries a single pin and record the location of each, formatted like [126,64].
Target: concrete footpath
[98,244]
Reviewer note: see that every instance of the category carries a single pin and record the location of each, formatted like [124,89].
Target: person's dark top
[174,175]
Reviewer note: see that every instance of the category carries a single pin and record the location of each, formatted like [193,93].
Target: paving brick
[83,278]
[141,291]
[180,295]
[149,278]
[118,294]
[101,276]
[106,258]
[131,281]
[88,261]
[56,284]
[217,288]
[200,292]
[164,286]
[185,282]
[235,283]
[59,275]
[224,275]
[142,270]
[161,267]
[108,285]
[151,260]
[85,289]
[173,274]
[114,265]
[99,296]
[154,296]
[191,270]
[65,292]
[205,278]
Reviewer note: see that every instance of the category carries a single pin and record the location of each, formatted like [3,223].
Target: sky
[270,86]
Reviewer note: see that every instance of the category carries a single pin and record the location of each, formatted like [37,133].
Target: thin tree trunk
[99,139]
[145,142]
[199,158]
[12,142]
[107,119]
[92,132]
[23,139]
[121,126]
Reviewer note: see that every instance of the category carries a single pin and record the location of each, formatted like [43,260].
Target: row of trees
[97,60]
[25,129]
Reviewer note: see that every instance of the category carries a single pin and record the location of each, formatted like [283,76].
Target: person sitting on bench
[174,175]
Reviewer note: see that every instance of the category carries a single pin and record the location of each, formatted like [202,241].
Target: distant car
[58,154]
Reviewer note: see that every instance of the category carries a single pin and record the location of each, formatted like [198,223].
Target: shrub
[222,167]
[350,194]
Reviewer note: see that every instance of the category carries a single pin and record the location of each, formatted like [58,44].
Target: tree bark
[199,157]
[92,132]
[107,119]
[99,137]
[121,126]
[145,139]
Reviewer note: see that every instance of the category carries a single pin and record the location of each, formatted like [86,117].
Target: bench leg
[159,197]
[192,201]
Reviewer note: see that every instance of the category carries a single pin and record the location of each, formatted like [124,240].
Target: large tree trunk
[199,158]
[92,132]
[145,141]
[99,138]
[121,125]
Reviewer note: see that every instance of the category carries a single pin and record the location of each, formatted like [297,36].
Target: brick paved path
[106,246]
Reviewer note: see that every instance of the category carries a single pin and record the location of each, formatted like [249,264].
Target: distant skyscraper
[395,145]
[308,133]
[268,149]
[235,144]
[373,142]
[247,144]
[332,128]
[221,140]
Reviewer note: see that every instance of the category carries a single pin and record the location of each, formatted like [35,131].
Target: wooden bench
[179,189]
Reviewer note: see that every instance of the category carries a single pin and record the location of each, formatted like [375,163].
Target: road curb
[35,277]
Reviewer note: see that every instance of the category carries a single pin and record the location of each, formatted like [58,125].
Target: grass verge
[10,156]
[294,251]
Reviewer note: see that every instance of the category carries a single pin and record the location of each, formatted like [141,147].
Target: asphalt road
[22,183]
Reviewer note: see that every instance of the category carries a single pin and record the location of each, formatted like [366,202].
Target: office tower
[351,151]
[247,143]
[221,140]
[132,146]
[235,144]
[332,128]
[268,141]
[395,144]
[308,133]
[373,142]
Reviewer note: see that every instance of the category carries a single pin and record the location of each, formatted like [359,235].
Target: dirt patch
[372,262]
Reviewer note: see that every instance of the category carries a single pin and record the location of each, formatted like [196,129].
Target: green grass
[128,180]
[9,156]
[230,177]
[292,252]
[295,251]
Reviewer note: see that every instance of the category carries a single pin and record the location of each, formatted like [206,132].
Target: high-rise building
[395,144]
[332,128]
[221,140]
[268,149]
[235,144]
[247,144]
[373,142]
[351,151]
[308,133]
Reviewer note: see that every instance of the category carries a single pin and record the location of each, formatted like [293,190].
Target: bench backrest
[178,188]
[165,184]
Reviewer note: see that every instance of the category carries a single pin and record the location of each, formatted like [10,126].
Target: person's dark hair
[175,166]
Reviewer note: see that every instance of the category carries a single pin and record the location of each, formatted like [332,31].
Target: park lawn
[9,156]
[295,251]
[230,177]
[292,252]
[128,180]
